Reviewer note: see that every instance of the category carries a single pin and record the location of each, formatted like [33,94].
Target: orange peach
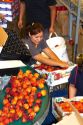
[32,114]
[34,89]
[33,79]
[28,72]
[5,101]
[28,89]
[30,110]
[0,112]
[41,85]
[36,75]
[36,108]
[20,74]
[38,101]
[26,106]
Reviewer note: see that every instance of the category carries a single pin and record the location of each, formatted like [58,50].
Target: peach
[30,110]
[39,95]
[26,106]
[5,101]
[30,104]
[1,123]
[43,92]
[24,119]
[8,90]
[19,113]
[41,85]
[32,115]
[36,75]
[6,121]
[38,101]
[34,89]
[28,89]
[26,81]
[30,76]
[13,102]
[20,74]
[28,72]
[36,108]
[12,111]
[33,79]
[0,112]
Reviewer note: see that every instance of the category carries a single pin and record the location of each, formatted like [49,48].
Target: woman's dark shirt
[38,11]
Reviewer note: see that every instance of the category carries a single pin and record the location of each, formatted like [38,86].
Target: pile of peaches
[49,68]
[65,106]
[23,98]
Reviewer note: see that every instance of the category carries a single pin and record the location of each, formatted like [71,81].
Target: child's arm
[72,91]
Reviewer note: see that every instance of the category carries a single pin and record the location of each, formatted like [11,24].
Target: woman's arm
[72,91]
[21,15]
[51,54]
[49,61]
[52,18]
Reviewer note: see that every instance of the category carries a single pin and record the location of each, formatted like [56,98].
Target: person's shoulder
[74,69]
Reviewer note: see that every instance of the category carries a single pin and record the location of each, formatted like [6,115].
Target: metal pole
[77,31]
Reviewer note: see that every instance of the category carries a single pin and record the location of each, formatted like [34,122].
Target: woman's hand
[51,30]
[20,24]
[64,64]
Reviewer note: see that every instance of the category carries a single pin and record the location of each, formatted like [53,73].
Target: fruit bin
[55,75]
[60,107]
[40,116]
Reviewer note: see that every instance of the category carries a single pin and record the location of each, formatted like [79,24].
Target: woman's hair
[35,28]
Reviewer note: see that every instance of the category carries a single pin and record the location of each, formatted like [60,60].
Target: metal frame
[74,13]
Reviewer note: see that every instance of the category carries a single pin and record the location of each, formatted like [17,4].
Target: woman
[76,79]
[37,44]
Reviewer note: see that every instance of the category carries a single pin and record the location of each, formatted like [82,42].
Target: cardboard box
[73,118]
[3,36]
[63,106]
[52,79]
[9,9]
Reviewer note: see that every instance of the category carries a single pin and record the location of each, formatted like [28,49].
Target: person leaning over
[37,44]
[39,11]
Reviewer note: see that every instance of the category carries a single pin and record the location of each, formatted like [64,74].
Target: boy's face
[79,59]
[36,39]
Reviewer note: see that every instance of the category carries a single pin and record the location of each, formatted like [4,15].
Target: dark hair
[80,62]
[35,28]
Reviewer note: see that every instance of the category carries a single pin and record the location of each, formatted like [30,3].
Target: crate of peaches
[45,70]
[24,100]
[56,71]
[63,107]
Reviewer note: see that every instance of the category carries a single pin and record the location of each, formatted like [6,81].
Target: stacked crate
[10,9]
